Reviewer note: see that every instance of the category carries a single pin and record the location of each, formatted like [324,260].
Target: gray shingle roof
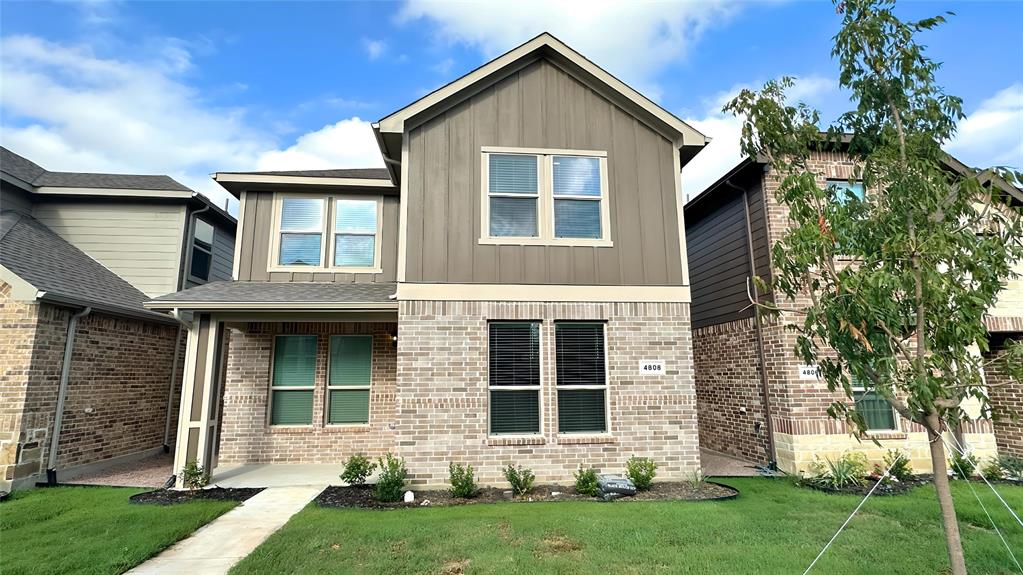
[360,173]
[42,258]
[243,292]
[29,172]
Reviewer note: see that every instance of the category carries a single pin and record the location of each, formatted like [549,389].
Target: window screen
[301,232]
[581,377]
[514,378]
[513,195]
[577,197]
[351,372]
[355,233]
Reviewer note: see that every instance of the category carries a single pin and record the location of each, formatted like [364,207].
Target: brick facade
[246,435]
[1007,395]
[117,392]
[729,390]
[443,396]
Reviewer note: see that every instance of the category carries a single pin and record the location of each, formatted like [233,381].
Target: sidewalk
[215,548]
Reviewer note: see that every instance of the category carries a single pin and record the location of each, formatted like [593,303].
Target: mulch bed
[362,496]
[171,497]
[892,488]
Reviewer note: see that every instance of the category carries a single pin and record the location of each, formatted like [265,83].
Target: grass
[91,529]
[773,527]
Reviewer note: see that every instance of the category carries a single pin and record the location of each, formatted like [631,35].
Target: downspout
[65,374]
[765,389]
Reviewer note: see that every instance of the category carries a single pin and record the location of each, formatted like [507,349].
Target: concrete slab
[152,471]
[215,548]
[276,475]
[717,464]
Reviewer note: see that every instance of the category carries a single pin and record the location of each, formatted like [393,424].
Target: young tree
[890,289]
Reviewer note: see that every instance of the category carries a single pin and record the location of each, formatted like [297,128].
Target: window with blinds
[581,377]
[878,414]
[349,379]
[301,232]
[514,377]
[542,197]
[293,380]
[355,233]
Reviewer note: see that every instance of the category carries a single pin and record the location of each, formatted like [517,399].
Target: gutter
[757,322]
[65,374]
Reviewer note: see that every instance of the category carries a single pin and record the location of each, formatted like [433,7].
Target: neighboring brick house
[512,288]
[101,243]
[755,399]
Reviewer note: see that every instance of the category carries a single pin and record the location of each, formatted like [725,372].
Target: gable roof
[31,173]
[389,128]
[61,273]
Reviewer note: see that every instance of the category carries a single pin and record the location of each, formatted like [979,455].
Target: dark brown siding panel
[719,262]
[540,106]
[257,225]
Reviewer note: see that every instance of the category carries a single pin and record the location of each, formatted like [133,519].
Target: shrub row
[851,469]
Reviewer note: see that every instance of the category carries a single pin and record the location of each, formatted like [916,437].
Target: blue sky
[188,88]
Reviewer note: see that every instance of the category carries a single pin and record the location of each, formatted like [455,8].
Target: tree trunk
[948,511]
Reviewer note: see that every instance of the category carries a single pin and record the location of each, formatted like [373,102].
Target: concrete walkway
[215,548]
[716,464]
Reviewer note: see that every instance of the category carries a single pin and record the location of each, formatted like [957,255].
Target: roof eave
[270,306]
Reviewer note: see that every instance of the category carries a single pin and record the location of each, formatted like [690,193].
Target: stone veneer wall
[443,397]
[729,392]
[247,437]
[117,393]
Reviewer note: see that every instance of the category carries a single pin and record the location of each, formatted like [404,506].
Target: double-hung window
[545,197]
[293,380]
[845,187]
[581,377]
[202,251]
[301,232]
[877,412]
[351,371]
[327,233]
[514,378]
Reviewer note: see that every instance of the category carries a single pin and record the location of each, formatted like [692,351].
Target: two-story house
[755,399]
[512,288]
[86,372]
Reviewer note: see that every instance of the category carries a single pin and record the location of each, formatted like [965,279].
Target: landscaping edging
[361,497]
[173,497]
[890,489]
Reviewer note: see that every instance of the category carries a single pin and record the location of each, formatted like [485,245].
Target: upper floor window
[202,251]
[335,233]
[846,187]
[545,197]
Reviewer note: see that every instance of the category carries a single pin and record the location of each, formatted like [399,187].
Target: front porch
[276,475]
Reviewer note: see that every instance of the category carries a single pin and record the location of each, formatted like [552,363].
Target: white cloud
[68,109]
[348,143]
[993,134]
[723,153]
[633,40]
[374,48]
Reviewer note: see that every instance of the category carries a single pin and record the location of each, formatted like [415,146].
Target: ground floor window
[514,377]
[293,380]
[877,412]
[581,377]
[348,383]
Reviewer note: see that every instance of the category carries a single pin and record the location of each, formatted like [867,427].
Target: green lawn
[91,529]
[773,527]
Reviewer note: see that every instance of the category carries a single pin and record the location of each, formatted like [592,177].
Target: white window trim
[538,388]
[545,199]
[326,235]
[326,402]
[270,397]
[858,387]
[193,246]
[606,387]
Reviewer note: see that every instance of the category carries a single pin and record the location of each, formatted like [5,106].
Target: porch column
[197,418]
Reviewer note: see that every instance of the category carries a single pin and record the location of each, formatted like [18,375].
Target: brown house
[86,372]
[755,399]
[512,288]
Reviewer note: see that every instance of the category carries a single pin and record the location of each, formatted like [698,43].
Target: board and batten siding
[223,255]
[139,242]
[539,106]
[254,248]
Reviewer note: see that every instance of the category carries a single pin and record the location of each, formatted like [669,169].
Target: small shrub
[962,466]
[463,484]
[586,482]
[641,471]
[520,478]
[849,469]
[1012,467]
[899,464]
[390,484]
[696,479]
[194,476]
[357,469]
[992,470]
